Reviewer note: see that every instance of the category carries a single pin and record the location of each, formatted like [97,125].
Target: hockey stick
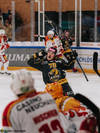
[80,66]
[77,61]
[95,63]
[53,28]
[82,69]
[90,105]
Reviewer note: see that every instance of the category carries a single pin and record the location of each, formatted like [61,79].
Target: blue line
[88,48]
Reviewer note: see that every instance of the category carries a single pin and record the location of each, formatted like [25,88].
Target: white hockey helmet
[50,32]
[2,32]
[22,82]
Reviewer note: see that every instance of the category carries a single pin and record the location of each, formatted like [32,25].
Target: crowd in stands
[6,23]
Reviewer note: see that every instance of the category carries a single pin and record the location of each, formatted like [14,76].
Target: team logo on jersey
[54,75]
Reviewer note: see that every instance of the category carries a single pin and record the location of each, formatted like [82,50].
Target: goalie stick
[95,63]
[96,111]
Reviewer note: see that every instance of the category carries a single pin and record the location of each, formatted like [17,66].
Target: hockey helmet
[50,32]
[53,49]
[22,82]
[2,32]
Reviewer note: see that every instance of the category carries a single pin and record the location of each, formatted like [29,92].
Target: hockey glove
[75,54]
[71,56]
[40,54]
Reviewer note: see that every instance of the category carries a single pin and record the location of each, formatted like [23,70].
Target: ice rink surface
[77,81]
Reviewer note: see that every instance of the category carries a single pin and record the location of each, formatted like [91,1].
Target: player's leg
[6,64]
[1,64]
[67,91]
[91,123]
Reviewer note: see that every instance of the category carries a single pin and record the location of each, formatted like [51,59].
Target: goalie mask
[22,82]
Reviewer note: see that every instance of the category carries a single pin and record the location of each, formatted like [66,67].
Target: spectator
[1,24]
[10,18]
[9,12]
[1,17]
[8,29]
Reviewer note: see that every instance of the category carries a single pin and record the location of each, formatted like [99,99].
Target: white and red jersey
[54,42]
[3,44]
[89,125]
[32,113]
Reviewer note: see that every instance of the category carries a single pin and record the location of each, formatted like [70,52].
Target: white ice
[77,81]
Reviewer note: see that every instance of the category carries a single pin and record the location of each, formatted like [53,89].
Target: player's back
[35,114]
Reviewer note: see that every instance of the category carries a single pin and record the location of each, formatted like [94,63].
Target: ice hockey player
[32,111]
[80,117]
[67,42]
[52,40]
[64,103]
[52,68]
[62,44]
[3,46]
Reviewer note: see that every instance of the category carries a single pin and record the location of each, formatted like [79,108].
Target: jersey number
[54,126]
